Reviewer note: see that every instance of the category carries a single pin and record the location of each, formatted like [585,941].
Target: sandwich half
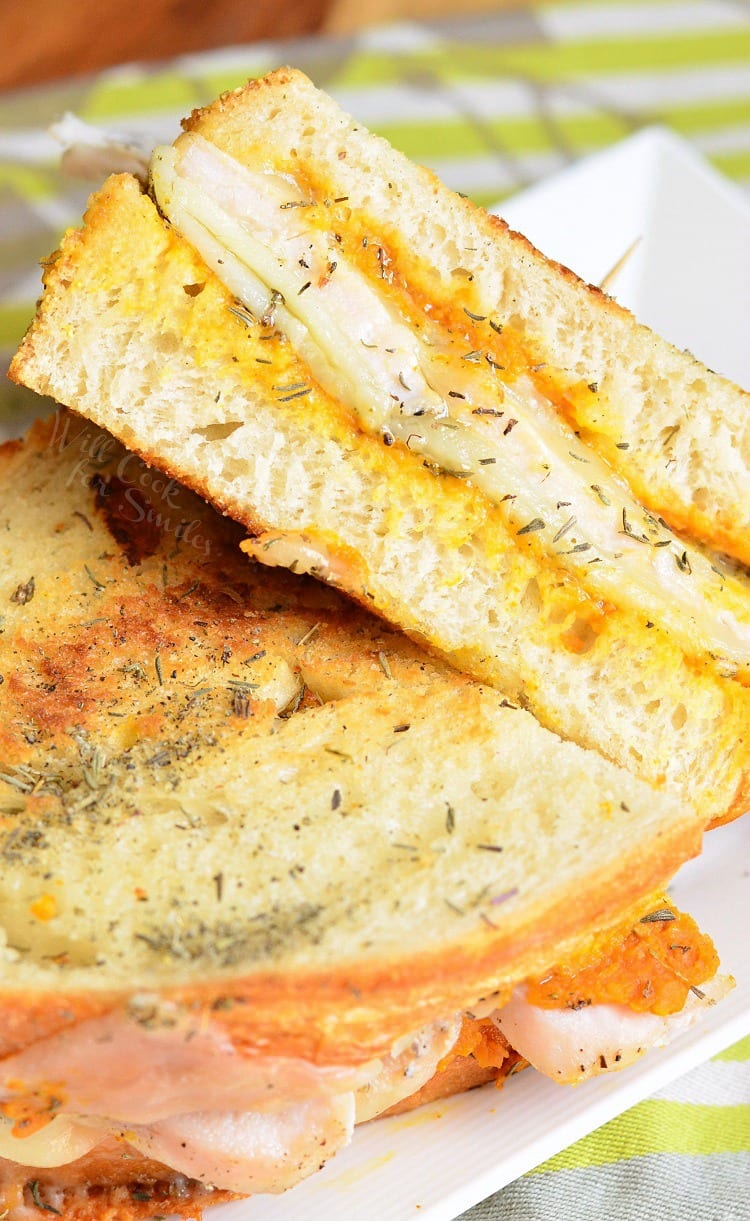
[393,392]
[270,870]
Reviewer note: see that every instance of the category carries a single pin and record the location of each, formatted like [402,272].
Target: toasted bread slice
[231,799]
[172,711]
[675,431]
[136,332]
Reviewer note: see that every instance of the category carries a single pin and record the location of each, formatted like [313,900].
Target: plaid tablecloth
[492,103]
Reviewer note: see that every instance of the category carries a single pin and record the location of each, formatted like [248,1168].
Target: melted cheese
[407,1069]
[267,243]
[61,1141]
[324,557]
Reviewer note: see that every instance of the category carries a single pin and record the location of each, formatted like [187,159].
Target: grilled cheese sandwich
[261,845]
[382,384]
[270,871]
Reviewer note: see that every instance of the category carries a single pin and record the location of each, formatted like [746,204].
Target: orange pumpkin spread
[652,969]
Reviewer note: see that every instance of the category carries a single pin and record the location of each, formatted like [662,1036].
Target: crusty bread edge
[716,526]
[733,792]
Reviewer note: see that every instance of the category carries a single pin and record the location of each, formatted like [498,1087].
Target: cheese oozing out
[453,408]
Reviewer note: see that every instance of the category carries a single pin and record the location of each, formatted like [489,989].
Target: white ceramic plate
[687,277]
[436,1162]
[688,229]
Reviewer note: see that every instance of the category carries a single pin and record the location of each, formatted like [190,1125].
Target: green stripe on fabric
[215,83]
[462,137]
[423,139]
[552,61]
[734,165]
[141,94]
[701,116]
[14,319]
[637,54]
[523,136]
[30,181]
[487,199]
[655,1126]
[739,1051]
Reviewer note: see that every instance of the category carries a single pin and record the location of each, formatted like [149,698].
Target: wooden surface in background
[43,40]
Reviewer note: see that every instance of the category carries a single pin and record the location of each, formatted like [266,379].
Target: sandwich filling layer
[181,1094]
[176,1088]
[444,388]
[173,1085]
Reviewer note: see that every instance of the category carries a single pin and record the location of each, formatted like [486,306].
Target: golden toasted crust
[677,433]
[459,1074]
[492,606]
[147,657]
[114,1182]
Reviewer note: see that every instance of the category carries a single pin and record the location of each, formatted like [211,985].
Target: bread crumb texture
[428,552]
[214,772]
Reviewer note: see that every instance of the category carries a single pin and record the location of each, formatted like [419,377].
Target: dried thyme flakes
[269,317]
[26,779]
[531,527]
[92,774]
[313,631]
[628,529]
[604,499]
[239,311]
[98,585]
[297,394]
[568,525]
[228,942]
[24,592]
[661,914]
[39,1202]
[241,692]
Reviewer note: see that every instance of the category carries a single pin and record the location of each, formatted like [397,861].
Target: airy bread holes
[701,498]
[531,598]
[234,469]
[218,432]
